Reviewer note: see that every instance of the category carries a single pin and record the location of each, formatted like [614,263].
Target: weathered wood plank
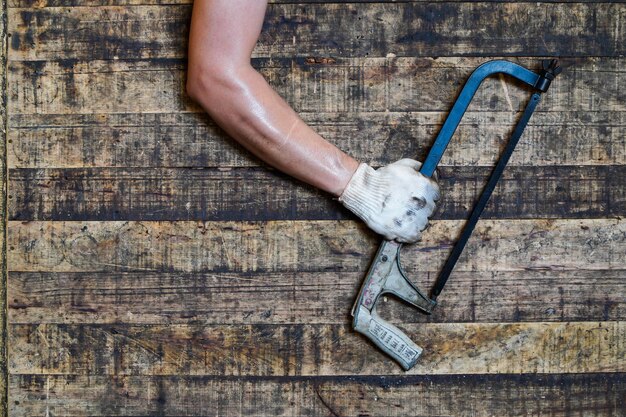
[257,194]
[263,350]
[362,84]
[565,395]
[306,297]
[179,270]
[586,115]
[191,140]
[3,210]
[375,29]
[295,246]
[95,3]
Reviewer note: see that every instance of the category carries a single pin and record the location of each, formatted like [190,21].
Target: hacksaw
[385,275]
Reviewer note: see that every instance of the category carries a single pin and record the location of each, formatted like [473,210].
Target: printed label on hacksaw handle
[388,338]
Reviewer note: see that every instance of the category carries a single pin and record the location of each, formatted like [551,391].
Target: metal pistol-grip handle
[387,337]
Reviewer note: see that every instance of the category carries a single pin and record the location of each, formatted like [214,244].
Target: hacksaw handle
[387,337]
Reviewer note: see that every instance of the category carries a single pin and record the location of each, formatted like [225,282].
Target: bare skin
[221,79]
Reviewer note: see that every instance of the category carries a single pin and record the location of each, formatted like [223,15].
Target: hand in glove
[394,201]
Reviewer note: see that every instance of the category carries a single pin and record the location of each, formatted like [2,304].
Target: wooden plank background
[157,268]
[3,211]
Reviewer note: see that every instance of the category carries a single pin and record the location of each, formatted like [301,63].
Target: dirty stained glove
[394,201]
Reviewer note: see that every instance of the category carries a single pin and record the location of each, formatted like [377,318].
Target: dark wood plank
[192,140]
[298,246]
[374,29]
[256,194]
[564,395]
[325,349]
[307,297]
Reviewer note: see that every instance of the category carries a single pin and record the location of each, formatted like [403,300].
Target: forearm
[222,36]
[249,110]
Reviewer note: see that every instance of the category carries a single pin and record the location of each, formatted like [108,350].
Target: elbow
[206,83]
[192,85]
[200,78]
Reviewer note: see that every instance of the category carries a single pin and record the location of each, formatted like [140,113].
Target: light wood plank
[264,350]
[298,246]
[306,297]
[363,84]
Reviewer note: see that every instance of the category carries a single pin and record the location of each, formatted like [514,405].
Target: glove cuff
[364,192]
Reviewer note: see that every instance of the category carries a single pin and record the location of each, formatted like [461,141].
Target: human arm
[222,80]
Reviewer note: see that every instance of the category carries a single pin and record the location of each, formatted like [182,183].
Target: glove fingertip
[408,162]
[411,238]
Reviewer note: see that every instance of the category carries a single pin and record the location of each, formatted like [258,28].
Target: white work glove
[394,201]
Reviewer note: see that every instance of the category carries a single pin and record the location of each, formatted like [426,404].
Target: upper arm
[223,33]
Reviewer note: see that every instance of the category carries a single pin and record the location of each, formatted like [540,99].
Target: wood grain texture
[257,194]
[313,350]
[348,103]
[310,85]
[176,140]
[96,3]
[308,246]
[224,298]
[566,395]
[3,210]
[369,29]
[156,268]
